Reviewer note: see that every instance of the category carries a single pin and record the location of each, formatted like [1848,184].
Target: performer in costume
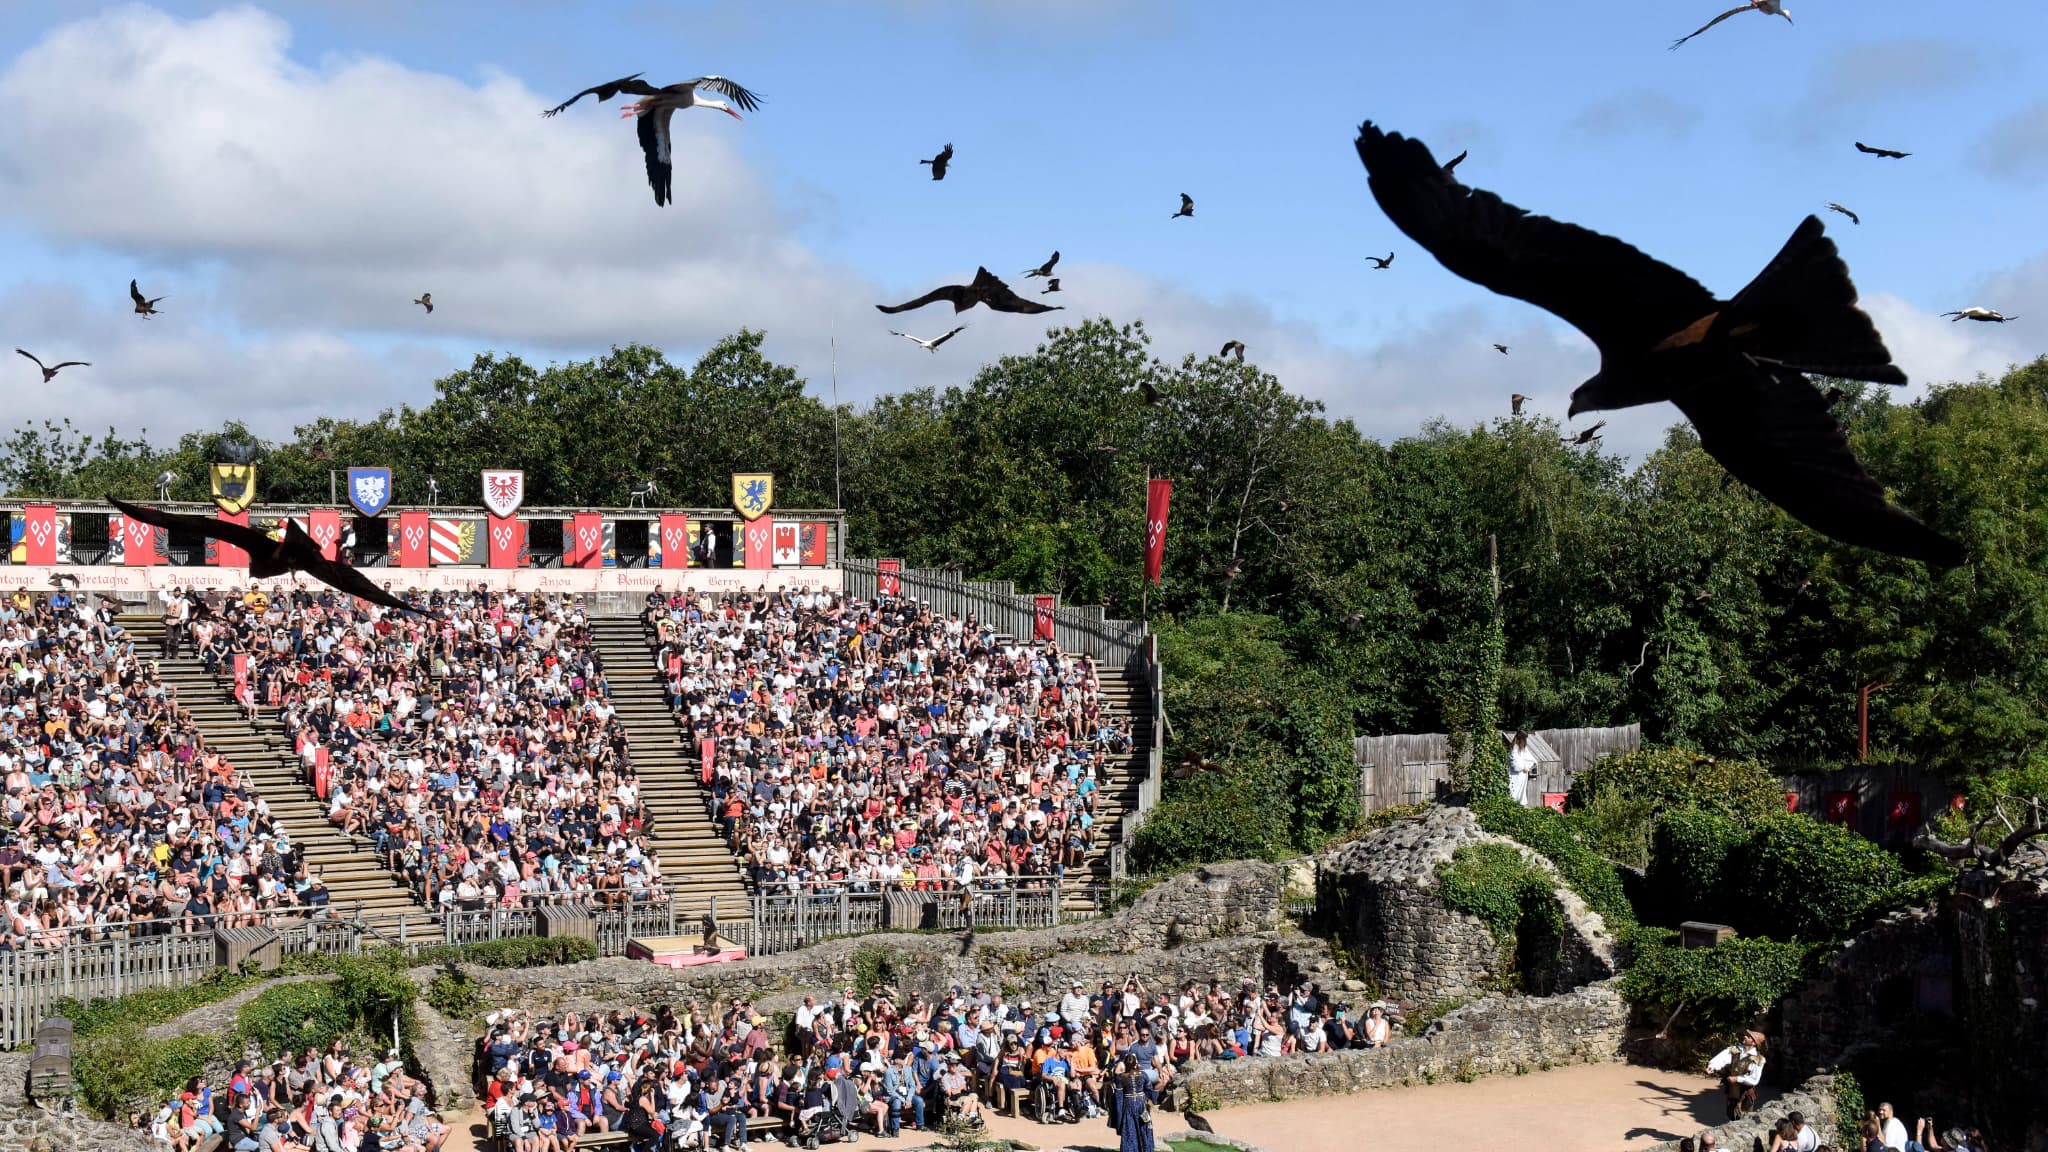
[1741,1066]
[1130,1107]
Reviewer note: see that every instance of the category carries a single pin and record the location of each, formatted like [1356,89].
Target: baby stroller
[833,1122]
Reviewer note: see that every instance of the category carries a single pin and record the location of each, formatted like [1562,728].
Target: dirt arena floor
[1584,1108]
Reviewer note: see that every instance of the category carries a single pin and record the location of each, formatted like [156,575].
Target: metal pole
[836,501]
[1863,720]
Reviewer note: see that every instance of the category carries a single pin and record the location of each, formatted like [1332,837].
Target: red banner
[1839,808]
[226,555]
[760,542]
[1158,496]
[241,673]
[675,540]
[813,547]
[324,526]
[1791,801]
[39,533]
[1904,813]
[707,756]
[888,578]
[1555,800]
[585,546]
[415,535]
[1042,609]
[507,541]
[138,541]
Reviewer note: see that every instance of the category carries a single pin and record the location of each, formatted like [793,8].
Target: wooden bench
[500,1142]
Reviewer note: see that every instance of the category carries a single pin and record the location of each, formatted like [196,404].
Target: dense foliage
[1662,593]
[1670,779]
[1706,995]
[1555,836]
[1496,883]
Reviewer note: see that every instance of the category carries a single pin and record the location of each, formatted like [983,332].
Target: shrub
[1589,874]
[119,1071]
[874,965]
[293,1017]
[1716,990]
[1674,778]
[1849,1108]
[148,1008]
[1802,879]
[1215,815]
[512,952]
[1617,825]
[453,994]
[1494,882]
[1692,865]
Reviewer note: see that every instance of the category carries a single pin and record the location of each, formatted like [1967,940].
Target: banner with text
[110,579]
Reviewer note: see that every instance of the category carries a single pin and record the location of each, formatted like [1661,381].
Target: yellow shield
[234,487]
[753,493]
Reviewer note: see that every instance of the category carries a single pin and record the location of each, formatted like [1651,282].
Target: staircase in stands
[357,882]
[695,859]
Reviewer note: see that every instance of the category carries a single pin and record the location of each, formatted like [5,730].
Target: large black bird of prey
[986,289]
[293,551]
[939,162]
[144,306]
[1887,153]
[1734,367]
[50,371]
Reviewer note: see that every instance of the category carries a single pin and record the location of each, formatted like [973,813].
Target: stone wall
[1382,896]
[30,1127]
[1487,1037]
[1814,1101]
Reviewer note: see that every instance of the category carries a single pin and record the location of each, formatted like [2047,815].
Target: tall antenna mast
[836,503]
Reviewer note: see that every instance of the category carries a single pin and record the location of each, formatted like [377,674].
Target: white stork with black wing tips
[655,110]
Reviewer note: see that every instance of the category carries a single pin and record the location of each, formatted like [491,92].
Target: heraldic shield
[369,489]
[504,491]
[753,493]
[234,487]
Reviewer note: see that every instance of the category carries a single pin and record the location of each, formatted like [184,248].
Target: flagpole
[1144,555]
[836,504]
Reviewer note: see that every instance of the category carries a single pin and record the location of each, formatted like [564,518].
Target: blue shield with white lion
[369,489]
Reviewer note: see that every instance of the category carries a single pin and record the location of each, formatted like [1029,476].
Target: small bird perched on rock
[1378,263]
[939,162]
[1984,314]
[1187,207]
[50,372]
[1233,347]
[426,301]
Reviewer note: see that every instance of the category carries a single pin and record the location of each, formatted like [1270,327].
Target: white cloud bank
[292,212]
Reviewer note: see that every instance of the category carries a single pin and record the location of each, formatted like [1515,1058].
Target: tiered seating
[866,745]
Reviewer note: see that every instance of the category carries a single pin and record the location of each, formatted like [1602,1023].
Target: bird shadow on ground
[1639,1132]
[1705,1107]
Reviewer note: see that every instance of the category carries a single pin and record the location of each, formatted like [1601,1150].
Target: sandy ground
[1583,1108]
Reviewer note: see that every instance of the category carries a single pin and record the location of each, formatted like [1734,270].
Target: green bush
[148,1008]
[1719,990]
[1849,1109]
[1214,815]
[511,952]
[1588,873]
[453,994]
[1674,778]
[1802,879]
[1617,826]
[1695,861]
[1494,882]
[118,1071]
[293,1017]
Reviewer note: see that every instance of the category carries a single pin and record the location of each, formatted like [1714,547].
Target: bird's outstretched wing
[1451,165]
[998,297]
[1771,429]
[243,536]
[960,296]
[1603,287]
[747,101]
[344,578]
[1711,23]
[62,364]
[603,92]
[1853,218]
[39,363]
[1891,152]
[949,335]
[135,292]
[654,145]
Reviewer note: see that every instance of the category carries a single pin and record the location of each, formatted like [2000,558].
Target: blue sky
[1076,125]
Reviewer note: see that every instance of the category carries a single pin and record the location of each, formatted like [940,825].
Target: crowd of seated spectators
[312,1102]
[699,1076]
[861,745]
[475,749]
[118,818]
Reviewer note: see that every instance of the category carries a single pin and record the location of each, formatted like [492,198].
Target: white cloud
[1637,112]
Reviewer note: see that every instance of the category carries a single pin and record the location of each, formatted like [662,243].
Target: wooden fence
[1416,768]
[1885,802]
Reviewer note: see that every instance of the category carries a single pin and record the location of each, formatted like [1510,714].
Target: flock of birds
[1736,368]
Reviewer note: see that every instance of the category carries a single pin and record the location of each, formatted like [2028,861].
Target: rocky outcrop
[1813,1100]
[1487,1037]
[30,1127]
[1381,895]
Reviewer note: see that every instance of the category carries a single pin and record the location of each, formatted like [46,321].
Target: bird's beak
[734,115]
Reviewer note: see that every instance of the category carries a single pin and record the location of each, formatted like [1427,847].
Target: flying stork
[655,110]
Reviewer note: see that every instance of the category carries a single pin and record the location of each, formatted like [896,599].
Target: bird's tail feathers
[1802,307]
